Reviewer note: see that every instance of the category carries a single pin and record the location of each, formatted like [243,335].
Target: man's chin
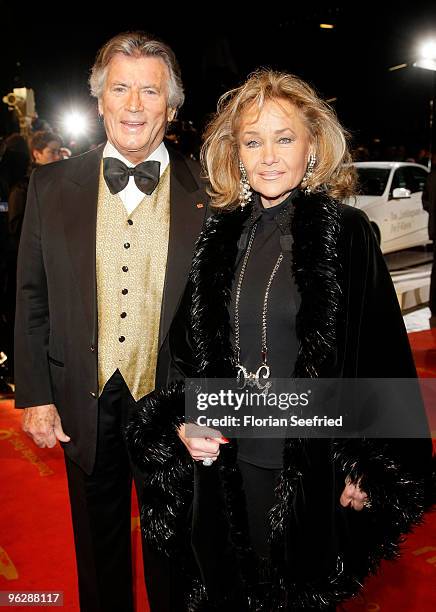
[129,149]
[135,147]
[129,146]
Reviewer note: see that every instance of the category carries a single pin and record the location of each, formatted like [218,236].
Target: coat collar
[314,223]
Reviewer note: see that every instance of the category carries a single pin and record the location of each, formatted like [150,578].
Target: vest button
[93,394]
[127,245]
[125,291]
[129,221]
[121,338]
[125,269]
[123,315]
[92,348]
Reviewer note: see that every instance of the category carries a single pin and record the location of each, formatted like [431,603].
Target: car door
[407,224]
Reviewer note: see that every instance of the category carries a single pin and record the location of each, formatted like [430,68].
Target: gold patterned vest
[131,257]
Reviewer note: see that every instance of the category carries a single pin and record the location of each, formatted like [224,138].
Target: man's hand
[43,425]
[353,496]
[202,448]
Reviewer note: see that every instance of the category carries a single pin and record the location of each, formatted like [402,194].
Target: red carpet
[424,352]
[36,539]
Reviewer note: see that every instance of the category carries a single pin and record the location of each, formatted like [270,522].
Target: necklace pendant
[242,376]
[252,379]
[263,372]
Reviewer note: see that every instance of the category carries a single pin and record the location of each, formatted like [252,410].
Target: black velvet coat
[349,325]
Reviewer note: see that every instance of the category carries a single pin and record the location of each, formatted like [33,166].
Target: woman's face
[274,146]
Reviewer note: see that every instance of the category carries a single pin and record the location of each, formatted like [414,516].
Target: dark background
[51,48]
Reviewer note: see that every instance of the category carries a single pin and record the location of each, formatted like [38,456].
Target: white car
[390,194]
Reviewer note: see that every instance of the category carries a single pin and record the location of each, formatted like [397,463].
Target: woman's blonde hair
[219,153]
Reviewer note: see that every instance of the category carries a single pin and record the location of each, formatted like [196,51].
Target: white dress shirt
[131,196]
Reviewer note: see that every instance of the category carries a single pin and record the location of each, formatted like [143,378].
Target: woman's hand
[204,447]
[353,496]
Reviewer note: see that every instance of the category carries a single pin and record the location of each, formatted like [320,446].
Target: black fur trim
[151,432]
[212,285]
[315,266]
[157,450]
[397,497]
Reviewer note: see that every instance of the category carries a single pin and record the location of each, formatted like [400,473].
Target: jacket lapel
[79,210]
[187,213]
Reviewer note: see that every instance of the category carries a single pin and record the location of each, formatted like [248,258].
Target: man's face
[134,105]
[49,154]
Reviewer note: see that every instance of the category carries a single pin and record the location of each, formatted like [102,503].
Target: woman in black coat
[286,281]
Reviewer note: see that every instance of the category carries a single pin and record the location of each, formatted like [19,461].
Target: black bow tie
[116,174]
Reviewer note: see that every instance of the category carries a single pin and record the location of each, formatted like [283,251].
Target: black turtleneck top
[271,238]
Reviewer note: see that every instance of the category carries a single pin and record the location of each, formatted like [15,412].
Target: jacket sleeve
[32,320]
[395,473]
[378,337]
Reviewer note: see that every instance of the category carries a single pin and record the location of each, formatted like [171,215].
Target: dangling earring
[308,174]
[244,189]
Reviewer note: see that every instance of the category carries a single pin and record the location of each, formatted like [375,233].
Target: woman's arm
[394,473]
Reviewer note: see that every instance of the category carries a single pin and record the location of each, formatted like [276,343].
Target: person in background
[429,204]
[14,166]
[45,148]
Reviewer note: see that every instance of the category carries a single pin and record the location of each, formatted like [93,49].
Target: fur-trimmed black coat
[349,325]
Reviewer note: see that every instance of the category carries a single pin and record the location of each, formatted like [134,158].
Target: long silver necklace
[263,371]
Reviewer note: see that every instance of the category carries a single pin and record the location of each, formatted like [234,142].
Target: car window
[372,181]
[400,180]
[409,177]
[419,178]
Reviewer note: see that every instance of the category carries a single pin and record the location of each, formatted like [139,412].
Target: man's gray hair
[137,44]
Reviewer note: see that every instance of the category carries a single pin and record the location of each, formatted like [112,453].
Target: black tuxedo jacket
[56,342]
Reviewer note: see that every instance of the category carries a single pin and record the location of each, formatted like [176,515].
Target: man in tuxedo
[105,252]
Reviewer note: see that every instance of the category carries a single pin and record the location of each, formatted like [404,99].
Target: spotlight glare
[428,50]
[75,123]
